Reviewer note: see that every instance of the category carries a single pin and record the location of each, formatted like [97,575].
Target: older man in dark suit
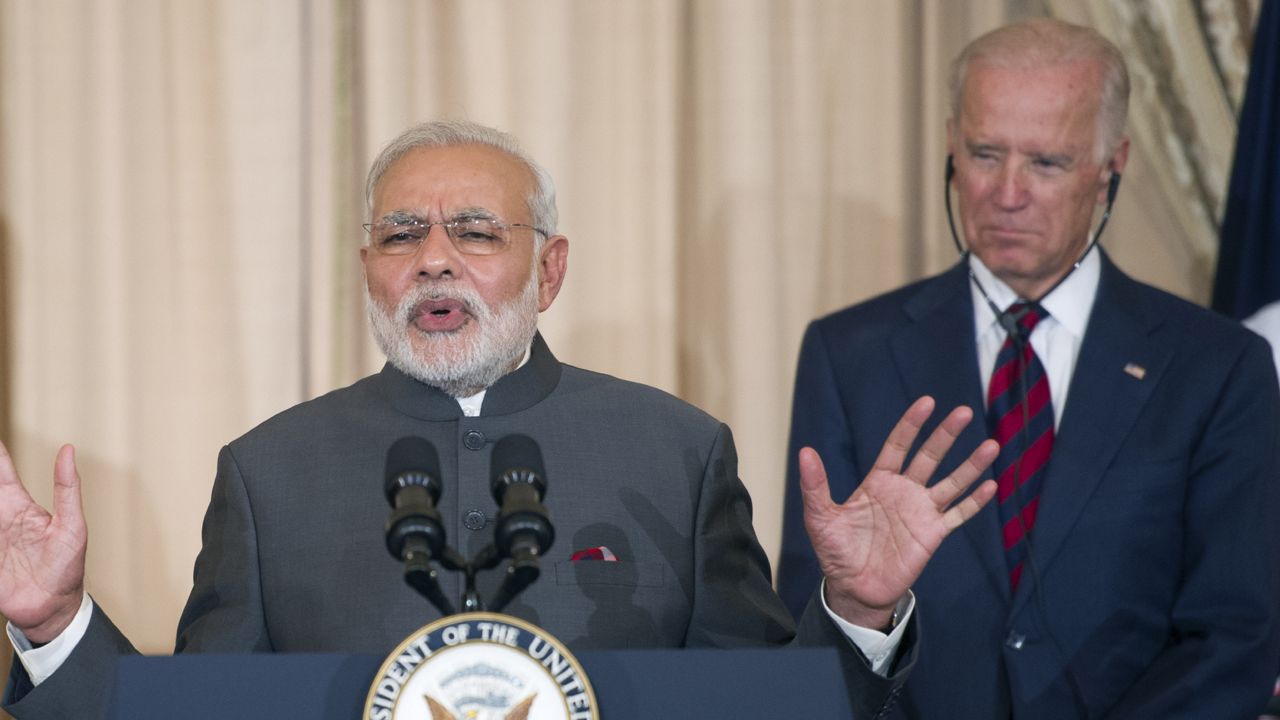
[1129,568]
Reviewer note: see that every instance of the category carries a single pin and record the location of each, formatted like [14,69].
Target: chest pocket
[618,573]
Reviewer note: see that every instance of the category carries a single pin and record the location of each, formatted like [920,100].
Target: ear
[552,265]
[1112,168]
[950,168]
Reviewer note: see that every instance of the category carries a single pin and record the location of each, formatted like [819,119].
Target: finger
[894,452]
[815,492]
[9,480]
[968,507]
[946,490]
[66,487]
[935,448]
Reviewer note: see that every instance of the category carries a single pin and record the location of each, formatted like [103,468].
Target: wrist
[862,615]
[48,630]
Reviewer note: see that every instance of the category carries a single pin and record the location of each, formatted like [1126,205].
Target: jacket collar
[516,391]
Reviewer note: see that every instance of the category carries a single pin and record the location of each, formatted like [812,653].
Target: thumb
[814,489]
[66,488]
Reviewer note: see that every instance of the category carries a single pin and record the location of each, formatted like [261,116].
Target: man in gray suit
[462,256]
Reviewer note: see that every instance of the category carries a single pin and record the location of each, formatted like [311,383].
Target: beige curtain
[157,201]
[180,201]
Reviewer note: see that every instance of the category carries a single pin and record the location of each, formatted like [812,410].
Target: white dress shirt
[1056,339]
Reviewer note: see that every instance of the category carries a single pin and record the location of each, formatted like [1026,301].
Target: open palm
[872,547]
[41,555]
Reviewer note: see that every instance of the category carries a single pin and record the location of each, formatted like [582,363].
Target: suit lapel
[1104,401]
[937,355]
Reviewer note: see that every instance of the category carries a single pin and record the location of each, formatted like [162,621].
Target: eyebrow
[1065,159]
[408,217]
[975,146]
[474,213]
[402,217]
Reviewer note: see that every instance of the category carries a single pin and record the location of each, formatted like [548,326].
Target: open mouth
[441,315]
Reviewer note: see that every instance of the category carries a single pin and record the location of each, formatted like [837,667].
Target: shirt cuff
[45,660]
[879,648]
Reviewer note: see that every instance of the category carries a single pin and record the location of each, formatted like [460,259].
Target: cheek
[1075,210]
[501,289]
[500,282]
[385,284]
[973,192]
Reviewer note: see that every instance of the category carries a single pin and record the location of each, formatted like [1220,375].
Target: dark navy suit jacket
[1158,586]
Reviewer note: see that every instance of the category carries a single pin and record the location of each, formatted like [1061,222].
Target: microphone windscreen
[412,461]
[1010,324]
[516,458]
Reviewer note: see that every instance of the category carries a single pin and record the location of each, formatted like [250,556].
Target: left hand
[872,547]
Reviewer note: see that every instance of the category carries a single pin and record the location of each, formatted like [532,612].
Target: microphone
[518,483]
[523,531]
[1012,322]
[415,531]
[413,487]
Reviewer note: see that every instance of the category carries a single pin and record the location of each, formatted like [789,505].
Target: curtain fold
[1186,63]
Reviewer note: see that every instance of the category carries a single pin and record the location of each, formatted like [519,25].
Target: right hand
[872,547]
[41,555]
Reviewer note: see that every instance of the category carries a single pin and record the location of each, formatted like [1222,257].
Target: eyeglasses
[471,236]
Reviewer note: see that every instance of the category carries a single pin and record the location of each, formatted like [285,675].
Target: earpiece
[1113,186]
[946,196]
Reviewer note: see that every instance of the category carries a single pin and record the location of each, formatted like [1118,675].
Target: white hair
[1043,42]
[452,133]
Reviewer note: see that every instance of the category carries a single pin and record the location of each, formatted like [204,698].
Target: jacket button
[473,440]
[1015,641]
[474,520]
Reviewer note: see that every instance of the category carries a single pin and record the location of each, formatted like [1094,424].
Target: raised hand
[872,547]
[41,555]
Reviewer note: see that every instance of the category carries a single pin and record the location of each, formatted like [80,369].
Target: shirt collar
[1069,304]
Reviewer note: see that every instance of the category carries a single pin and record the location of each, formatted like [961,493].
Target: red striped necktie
[1020,414]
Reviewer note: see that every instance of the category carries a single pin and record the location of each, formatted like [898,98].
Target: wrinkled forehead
[1059,101]
[439,182]
[1072,80]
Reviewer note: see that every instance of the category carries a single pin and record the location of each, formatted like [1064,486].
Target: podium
[756,683]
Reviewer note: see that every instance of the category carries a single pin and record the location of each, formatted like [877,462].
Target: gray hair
[451,133]
[1043,42]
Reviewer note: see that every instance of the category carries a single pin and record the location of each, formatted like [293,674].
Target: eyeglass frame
[449,226]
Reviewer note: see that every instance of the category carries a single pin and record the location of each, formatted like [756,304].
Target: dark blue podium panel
[627,683]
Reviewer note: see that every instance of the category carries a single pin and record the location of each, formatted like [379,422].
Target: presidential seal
[480,666]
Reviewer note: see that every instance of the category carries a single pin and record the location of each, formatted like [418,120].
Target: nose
[1010,192]
[437,257]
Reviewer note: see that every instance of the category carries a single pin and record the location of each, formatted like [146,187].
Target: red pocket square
[595,553]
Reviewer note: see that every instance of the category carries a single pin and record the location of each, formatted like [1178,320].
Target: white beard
[461,362]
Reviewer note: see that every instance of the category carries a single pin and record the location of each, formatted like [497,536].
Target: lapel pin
[1135,370]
